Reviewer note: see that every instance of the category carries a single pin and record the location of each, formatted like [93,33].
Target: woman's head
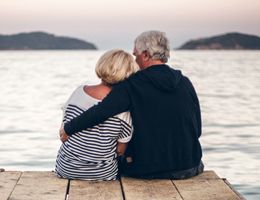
[115,66]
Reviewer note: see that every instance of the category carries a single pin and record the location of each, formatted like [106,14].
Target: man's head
[151,47]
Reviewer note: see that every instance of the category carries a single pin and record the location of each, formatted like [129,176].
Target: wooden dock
[42,185]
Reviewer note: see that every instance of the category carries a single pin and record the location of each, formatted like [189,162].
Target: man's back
[167,122]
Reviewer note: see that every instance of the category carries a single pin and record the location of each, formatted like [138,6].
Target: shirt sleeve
[117,101]
[64,107]
[126,127]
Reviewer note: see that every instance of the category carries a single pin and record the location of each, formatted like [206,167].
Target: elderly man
[165,112]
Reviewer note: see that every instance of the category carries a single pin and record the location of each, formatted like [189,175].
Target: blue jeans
[175,175]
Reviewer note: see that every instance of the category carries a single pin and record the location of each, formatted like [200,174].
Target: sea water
[35,84]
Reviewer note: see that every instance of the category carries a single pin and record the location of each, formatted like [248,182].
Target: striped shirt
[91,153]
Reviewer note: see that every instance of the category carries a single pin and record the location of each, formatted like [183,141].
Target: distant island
[228,41]
[41,41]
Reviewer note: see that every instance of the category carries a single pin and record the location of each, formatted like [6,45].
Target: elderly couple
[143,122]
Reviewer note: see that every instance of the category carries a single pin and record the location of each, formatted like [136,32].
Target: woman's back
[91,154]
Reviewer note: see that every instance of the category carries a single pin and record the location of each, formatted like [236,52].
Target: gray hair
[155,43]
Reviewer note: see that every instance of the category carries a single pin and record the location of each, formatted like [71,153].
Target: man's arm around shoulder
[115,102]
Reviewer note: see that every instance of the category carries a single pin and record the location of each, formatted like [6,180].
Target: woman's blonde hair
[115,66]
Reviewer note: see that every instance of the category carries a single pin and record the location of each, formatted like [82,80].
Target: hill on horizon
[41,41]
[228,41]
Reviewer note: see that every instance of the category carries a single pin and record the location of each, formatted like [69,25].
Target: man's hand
[63,135]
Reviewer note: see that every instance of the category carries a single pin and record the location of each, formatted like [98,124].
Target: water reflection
[34,84]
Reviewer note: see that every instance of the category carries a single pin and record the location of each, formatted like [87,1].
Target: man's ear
[146,55]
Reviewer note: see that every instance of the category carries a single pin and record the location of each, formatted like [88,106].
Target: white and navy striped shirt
[91,153]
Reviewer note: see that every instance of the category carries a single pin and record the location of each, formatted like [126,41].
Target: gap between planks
[32,185]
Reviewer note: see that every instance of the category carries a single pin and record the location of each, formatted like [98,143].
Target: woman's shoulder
[80,99]
[125,116]
[77,94]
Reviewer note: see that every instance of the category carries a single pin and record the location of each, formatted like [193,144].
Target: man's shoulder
[131,78]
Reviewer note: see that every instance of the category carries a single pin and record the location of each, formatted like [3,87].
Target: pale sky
[115,23]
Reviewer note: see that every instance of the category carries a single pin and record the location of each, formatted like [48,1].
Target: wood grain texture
[204,189]
[233,189]
[139,189]
[45,185]
[206,175]
[8,181]
[40,186]
[95,190]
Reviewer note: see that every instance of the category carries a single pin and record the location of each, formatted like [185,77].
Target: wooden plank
[45,185]
[233,189]
[95,190]
[39,185]
[135,189]
[8,181]
[206,175]
[204,189]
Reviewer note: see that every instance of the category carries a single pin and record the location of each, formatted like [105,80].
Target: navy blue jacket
[166,117]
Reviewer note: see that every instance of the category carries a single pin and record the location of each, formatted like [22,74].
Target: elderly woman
[91,154]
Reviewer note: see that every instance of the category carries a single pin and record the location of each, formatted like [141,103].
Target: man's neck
[152,63]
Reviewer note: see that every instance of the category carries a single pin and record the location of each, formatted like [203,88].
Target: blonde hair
[115,66]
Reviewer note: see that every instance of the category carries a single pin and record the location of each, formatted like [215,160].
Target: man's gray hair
[155,43]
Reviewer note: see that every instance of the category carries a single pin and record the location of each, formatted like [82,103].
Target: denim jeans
[175,175]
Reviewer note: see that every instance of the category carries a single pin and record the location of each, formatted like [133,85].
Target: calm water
[35,84]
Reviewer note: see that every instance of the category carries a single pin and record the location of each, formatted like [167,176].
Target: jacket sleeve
[197,107]
[115,102]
